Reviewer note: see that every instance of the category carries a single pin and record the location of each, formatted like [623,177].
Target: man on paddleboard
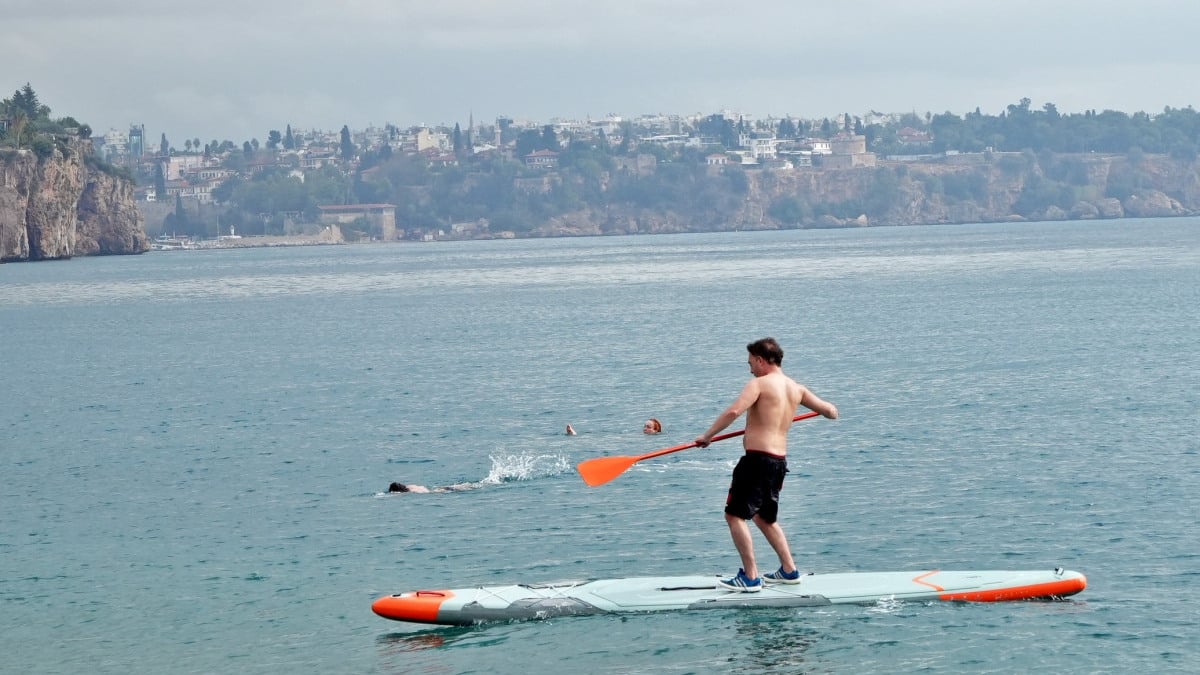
[769,400]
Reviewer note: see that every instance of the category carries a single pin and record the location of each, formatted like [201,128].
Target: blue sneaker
[741,583]
[781,577]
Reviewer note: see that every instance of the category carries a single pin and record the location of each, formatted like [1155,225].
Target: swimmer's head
[397,487]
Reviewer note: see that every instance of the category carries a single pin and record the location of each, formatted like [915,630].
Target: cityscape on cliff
[68,190]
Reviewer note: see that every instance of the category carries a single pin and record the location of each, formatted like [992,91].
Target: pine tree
[348,148]
[160,183]
[26,101]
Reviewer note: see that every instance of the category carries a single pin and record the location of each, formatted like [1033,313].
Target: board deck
[520,602]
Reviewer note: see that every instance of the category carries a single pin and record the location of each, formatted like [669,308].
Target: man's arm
[743,402]
[816,403]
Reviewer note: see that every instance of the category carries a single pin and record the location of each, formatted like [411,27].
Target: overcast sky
[235,69]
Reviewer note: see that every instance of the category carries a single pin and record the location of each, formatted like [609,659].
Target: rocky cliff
[59,206]
[978,188]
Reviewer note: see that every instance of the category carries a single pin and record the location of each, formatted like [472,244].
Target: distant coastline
[658,174]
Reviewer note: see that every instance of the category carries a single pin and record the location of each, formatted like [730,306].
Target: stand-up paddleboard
[519,602]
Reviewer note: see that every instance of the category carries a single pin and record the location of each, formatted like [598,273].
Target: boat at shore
[165,242]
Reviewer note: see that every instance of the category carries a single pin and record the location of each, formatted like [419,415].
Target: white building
[758,147]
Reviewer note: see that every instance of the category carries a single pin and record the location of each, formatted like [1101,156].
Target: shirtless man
[770,401]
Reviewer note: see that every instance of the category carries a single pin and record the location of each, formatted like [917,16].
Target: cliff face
[955,189]
[57,207]
[972,190]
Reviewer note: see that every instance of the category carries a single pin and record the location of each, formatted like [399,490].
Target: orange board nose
[419,606]
[1061,588]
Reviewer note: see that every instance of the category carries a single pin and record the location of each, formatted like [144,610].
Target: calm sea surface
[193,447]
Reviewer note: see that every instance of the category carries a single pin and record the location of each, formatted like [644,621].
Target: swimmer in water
[401,487]
[421,489]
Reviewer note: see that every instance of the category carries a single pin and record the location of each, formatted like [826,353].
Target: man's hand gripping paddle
[601,470]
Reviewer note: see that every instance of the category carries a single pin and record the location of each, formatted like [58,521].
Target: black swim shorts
[757,480]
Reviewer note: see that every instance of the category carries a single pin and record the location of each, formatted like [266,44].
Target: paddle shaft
[600,470]
[721,437]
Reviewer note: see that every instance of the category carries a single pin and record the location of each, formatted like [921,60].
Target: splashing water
[886,605]
[508,468]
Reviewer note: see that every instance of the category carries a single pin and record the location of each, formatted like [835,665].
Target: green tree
[529,141]
[550,139]
[25,100]
[224,192]
[626,137]
[181,218]
[42,147]
[273,139]
[164,148]
[160,182]
[347,145]
[289,141]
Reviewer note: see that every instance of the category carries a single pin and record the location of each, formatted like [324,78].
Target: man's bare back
[770,416]
[769,401]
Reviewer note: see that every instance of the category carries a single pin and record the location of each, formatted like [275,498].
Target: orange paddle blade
[600,470]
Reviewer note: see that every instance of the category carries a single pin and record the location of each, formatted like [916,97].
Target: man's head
[766,349]
[397,487]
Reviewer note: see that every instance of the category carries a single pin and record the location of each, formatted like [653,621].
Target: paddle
[601,470]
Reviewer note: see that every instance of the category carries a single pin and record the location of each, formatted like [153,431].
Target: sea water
[195,447]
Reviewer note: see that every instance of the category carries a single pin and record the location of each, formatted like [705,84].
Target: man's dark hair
[397,487]
[768,349]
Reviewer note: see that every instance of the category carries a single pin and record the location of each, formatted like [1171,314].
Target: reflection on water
[429,651]
[774,641]
[400,643]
